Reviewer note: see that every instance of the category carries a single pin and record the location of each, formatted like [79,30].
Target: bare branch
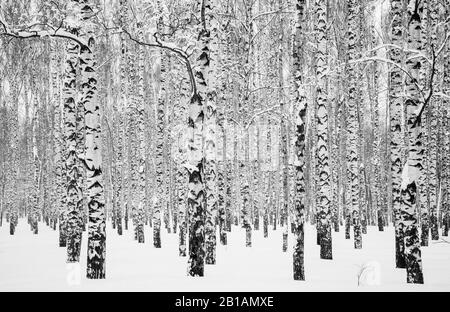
[167,46]
[39,30]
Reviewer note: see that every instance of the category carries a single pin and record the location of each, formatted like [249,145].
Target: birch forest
[298,137]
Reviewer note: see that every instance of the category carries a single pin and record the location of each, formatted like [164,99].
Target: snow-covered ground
[35,263]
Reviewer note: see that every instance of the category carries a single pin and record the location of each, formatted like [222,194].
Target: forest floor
[35,263]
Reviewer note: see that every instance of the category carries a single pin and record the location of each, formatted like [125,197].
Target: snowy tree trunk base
[175,224]
[221,225]
[228,218]
[347,226]
[364,226]
[167,219]
[119,226]
[62,236]
[196,248]
[425,232]
[113,219]
[434,226]
[33,221]
[210,246]
[256,222]
[157,234]
[223,238]
[336,224]
[182,251]
[400,261]
[182,240]
[266,225]
[325,242]
[380,220]
[446,224]
[299,269]
[413,256]
[96,259]
[73,247]
[357,236]
[248,236]
[140,233]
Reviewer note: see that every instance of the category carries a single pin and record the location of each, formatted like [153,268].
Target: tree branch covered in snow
[40,30]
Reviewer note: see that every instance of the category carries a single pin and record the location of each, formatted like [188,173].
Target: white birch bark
[412,171]
[395,112]
[73,189]
[323,187]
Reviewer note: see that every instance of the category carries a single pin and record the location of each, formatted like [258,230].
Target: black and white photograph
[214,146]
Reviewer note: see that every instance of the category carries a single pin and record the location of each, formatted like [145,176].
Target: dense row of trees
[197,116]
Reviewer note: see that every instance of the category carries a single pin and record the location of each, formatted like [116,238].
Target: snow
[35,263]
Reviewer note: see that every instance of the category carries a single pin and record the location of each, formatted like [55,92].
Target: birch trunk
[93,149]
[73,167]
[412,171]
[433,146]
[209,20]
[159,157]
[197,196]
[300,110]
[395,112]
[323,192]
[36,172]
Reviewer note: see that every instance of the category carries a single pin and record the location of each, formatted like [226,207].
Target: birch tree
[300,123]
[324,212]
[413,167]
[395,109]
